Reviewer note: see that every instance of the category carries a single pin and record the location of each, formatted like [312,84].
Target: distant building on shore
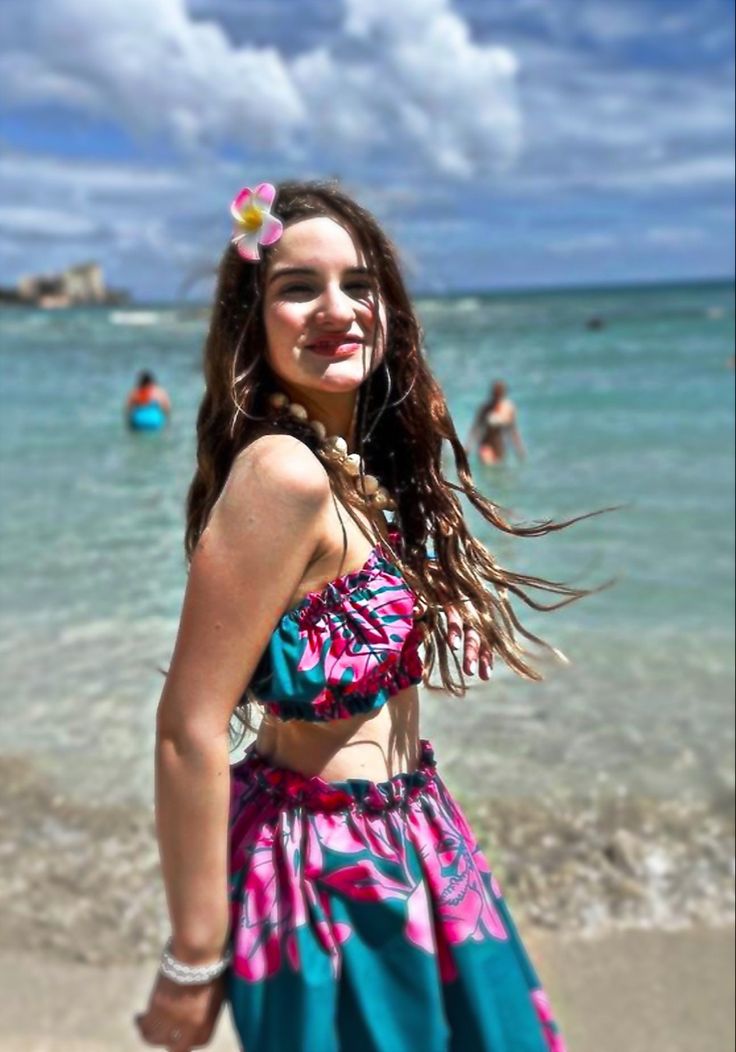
[81,285]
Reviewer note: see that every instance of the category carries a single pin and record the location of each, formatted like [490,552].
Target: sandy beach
[642,991]
[73,974]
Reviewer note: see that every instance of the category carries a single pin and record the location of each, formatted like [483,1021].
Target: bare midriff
[374,745]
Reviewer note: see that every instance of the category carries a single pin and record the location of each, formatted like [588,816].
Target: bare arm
[475,430]
[262,534]
[163,400]
[516,438]
[250,559]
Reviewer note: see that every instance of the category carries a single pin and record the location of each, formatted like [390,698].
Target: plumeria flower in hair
[254,224]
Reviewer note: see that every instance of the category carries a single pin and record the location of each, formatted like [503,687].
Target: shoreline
[584,867]
[643,991]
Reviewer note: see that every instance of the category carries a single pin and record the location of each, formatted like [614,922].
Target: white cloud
[601,125]
[674,236]
[594,242]
[683,173]
[612,22]
[617,22]
[150,67]
[63,177]
[401,79]
[399,97]
[587,242]
[149,226]
[26,221]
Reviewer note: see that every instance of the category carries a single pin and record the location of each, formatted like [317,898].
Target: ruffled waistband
[292,789]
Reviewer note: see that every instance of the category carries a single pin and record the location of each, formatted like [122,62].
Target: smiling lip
[342,347]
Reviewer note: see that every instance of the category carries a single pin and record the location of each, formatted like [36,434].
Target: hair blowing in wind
[403,425]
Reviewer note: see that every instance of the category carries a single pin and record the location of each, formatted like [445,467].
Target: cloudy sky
[504,143]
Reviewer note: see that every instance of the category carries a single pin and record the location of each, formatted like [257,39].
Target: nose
[335,308]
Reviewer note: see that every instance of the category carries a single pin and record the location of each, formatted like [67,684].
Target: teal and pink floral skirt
[366,919]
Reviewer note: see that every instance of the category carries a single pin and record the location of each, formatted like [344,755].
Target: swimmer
[495,423]
[147,407]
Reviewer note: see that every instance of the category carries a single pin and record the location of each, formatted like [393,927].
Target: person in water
[148,406]
[494,425]
[327,885]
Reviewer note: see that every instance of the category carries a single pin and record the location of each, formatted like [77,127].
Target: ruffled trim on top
[331,594]
[292,789]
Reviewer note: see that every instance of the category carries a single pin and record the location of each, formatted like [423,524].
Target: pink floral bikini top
[345,649]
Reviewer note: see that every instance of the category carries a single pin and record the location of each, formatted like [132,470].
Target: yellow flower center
[252,218]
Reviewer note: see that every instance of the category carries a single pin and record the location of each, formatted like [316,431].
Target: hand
[180,1018]
[475,658]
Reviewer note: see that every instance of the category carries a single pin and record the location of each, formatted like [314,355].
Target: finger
[143,1025]
[472,651]
[150,1036]
[177,1040]
[454,627]
[157,1032]
[485,664]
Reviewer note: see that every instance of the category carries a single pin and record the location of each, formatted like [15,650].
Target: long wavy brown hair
[403,424]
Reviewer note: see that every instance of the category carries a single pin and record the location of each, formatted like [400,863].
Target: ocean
[616,771]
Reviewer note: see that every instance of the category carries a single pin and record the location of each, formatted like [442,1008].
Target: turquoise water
[638,413]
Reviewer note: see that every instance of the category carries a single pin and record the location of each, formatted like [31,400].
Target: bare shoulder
[283,462]
[276,472]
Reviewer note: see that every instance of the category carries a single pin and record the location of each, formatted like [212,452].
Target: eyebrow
[311,271]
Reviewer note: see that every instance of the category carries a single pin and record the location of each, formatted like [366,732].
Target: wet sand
[642,991]
[583,868]
[626,909]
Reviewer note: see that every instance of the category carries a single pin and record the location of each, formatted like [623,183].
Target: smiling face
[323,324]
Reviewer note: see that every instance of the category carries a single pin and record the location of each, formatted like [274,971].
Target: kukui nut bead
[353,464]
[336,446]
[369,485]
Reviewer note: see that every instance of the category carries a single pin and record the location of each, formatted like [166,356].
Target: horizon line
[520,290]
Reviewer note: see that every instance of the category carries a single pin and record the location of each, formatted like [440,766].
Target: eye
[298,290]
[359,288]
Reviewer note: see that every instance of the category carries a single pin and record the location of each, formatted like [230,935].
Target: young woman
[494,425]
[328,886]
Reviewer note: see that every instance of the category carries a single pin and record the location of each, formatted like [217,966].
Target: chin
[336,377]
[338,383]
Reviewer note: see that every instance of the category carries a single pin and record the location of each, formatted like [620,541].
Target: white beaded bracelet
[191,974]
